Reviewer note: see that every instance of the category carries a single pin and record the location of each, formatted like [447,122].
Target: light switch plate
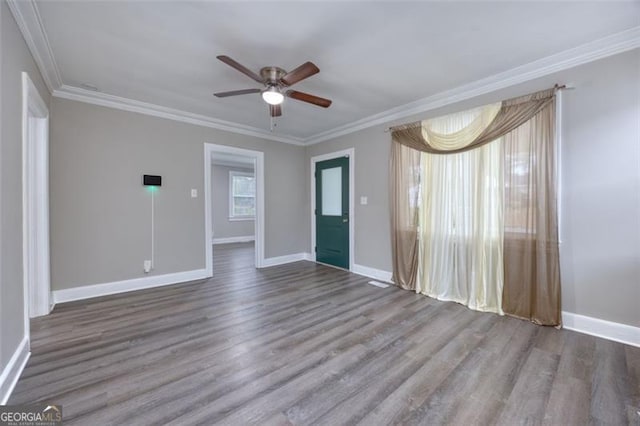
[194,193]
[363,201]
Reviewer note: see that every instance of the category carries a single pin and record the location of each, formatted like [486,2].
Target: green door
[332,212]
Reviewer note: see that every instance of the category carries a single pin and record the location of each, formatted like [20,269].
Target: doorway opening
[234,203]
[35,203]
[332,208]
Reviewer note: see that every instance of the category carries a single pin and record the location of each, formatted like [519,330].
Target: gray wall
[223,227]
[15,58]
[600,252]
[100,211]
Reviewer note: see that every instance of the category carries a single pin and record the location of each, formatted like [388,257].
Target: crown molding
[589,52]
[126,104]
[28,19]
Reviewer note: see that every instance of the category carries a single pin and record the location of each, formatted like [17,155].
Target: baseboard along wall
[229,240]
[97,290]
[378,274]
[281,260]
[609,330]
[12,371]
[617,332]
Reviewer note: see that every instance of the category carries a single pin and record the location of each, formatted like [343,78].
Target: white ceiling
[373,56]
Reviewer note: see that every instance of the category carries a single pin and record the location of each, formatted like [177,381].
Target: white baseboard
[228,240]
[97,290]
[281,260]
[12,371]
[617,332]
[378,274]
[609,330]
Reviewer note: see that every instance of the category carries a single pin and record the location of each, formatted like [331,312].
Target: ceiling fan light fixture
[275,82]
[272,96]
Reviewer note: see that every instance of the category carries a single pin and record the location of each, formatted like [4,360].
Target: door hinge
[315,249]
[315,212]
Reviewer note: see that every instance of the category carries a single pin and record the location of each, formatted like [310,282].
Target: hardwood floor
[304,343]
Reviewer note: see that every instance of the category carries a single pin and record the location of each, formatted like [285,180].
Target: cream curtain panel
[461,228]
[484,232]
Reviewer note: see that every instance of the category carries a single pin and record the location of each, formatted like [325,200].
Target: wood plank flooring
[307,344]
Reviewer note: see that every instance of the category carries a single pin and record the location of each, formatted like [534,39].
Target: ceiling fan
[275,81]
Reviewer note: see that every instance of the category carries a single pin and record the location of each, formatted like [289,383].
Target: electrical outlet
[147,266]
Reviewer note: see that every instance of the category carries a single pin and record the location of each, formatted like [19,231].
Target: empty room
[319,212]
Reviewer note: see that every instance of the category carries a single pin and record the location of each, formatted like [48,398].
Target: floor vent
[378,284]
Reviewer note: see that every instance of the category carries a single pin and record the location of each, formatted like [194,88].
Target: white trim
[378,274]
[609,330]
[228,240]
[585,53]
[105,289]
[28,19]
[258,157]
[131,105]
[281,260]
[35,203]
[2,338]
[12,371]
[350,153]
[232,164]
[232,174]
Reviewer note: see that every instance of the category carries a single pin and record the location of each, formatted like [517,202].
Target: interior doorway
[35,202]
[234,200]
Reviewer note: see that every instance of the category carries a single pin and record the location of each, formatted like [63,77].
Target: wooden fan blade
[236,92]
[303,71]
[244,70]
[312,99]
[275,110]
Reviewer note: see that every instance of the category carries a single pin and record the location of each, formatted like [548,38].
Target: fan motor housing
[272,75]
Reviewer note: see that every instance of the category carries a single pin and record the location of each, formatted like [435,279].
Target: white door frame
[35,203]
[258,156]
[349,153]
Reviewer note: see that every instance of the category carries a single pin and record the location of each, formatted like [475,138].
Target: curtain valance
[491,122]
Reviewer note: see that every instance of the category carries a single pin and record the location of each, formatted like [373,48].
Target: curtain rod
[557,87]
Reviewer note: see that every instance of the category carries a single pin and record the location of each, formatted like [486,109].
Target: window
[242,195]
